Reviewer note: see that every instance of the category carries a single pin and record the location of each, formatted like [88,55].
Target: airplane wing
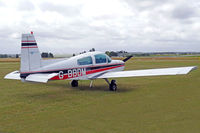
[43,78]
[149,72]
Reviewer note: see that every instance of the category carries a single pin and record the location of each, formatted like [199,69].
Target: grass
[164,104]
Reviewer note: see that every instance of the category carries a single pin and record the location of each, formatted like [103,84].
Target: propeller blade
[126,59]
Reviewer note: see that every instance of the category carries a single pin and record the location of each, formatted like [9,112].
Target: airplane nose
[120,61]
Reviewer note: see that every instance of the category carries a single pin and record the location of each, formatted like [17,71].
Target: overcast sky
[70,26]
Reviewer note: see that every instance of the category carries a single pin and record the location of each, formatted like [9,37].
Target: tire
[74,83]
[113,86]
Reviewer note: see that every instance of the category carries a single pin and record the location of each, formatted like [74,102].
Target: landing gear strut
[91,84]
[74,83]
[112,85]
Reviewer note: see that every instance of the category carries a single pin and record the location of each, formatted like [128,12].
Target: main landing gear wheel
[74,83]
[113,85]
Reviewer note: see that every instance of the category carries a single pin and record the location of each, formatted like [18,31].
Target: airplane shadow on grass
[85,87]
[60,92]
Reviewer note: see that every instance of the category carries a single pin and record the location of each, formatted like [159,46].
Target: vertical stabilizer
[30,55]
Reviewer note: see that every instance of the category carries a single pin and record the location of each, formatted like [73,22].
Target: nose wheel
[112,85]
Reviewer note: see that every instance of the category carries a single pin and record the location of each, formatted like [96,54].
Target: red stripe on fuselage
[87,73]
[102,69]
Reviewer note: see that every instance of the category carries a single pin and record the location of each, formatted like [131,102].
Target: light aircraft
[87,66]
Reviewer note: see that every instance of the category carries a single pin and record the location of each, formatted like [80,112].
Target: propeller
[127,58]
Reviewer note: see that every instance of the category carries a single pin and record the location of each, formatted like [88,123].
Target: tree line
[44,55]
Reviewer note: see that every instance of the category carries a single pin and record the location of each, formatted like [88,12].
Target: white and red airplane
[87,66]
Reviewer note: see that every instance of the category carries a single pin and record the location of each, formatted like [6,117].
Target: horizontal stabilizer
[13,75]
[149,72]
[43,78]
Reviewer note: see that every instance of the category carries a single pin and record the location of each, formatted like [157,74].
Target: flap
[43,78]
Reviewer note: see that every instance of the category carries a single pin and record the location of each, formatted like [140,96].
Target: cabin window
[100,58]
[85,61]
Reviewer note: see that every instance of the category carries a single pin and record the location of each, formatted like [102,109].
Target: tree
[92,50]
[108,53]
[44,55]
[17,55]
[51,55]
[112,53]
[5,56]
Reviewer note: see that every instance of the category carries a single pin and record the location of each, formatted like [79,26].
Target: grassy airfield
[164,104]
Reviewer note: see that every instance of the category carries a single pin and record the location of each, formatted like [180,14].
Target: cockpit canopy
[85,61]
[97,59]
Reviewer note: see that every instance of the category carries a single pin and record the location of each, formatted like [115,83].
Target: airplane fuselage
[72,69]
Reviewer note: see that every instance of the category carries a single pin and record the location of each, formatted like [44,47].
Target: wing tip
[195,67]
[192,68]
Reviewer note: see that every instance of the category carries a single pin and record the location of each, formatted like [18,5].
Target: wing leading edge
[149,72]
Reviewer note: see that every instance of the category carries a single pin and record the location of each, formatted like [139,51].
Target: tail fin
[30,55]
